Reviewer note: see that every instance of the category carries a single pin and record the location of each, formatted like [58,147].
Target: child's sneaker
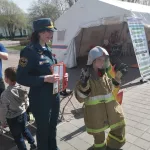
[33,147]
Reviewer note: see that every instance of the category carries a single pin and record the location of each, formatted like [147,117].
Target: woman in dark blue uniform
[34,72]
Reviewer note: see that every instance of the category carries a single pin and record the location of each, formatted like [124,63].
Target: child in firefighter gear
[101,111]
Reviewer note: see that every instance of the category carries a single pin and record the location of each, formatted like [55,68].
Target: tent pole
[121,34]
[122,30]
[81,41]
[104,33]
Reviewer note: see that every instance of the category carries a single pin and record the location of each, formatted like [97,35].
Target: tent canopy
[87,14]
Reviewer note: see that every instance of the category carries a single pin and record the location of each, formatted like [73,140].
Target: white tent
[89,22]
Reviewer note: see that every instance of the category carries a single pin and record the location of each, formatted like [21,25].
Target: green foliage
[145,2]
[15,47]
[11,17]
[43,9]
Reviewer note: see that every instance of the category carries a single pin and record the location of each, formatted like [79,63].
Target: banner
[140,45]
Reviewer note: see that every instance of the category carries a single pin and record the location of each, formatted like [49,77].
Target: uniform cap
[43,24]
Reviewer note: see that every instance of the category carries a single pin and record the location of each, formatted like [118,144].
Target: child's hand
[85,75]
[118,76]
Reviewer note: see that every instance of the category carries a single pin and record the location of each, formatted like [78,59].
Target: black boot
[108,148]
[91,148]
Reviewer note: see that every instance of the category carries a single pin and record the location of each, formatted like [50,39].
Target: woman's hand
[66,77]
[51,78]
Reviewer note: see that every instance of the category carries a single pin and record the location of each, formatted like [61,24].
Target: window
[61,35]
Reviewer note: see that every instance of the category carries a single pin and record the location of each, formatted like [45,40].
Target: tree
[61,5]
[145,2]
[3,23]
[70,2]
[64,5]
[12,17]
[22,23]
[43,9]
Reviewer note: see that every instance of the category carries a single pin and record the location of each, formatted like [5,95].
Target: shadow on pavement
[74,134]
[79,114]
[131,85]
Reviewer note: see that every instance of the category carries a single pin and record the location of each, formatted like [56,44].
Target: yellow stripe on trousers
[117,139]
[106,127]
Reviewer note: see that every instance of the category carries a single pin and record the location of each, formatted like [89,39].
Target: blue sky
[24,4]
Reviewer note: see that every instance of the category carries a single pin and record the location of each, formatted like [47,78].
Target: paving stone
[147,117]
[127,106]
[142,143]
[148,130]
[146,122]
[134,131]
[61,134]
[128,128]
[137,104]
[87,138]
[134,96]
[68,127]
[141,126]
[131,138]
[139,109]
[133,117]
[65,146]
[72,148]
[137,113]
[138,100]
[58,140]
[131,123]
[133,147]
[78,122]
[144,102]
[146,136]
[126,146]
[127,94]
[79,144]
[146,111]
